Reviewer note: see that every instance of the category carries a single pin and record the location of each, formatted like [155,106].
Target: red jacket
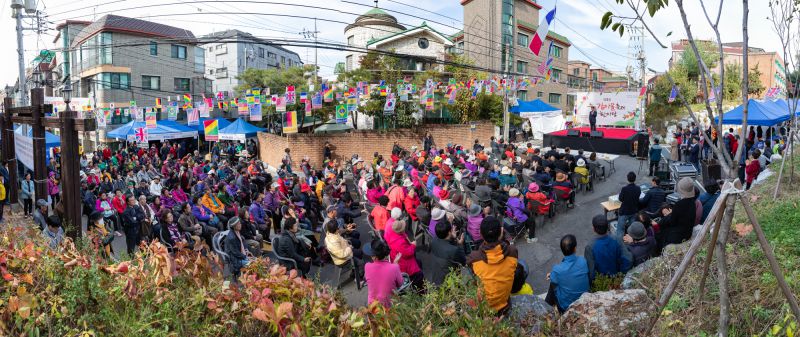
[119,204]
[410,204]
[751,171]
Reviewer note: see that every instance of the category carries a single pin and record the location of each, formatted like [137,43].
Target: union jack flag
[141,135]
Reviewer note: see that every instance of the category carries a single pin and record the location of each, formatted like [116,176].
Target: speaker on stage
[596,134]
[573,133]
[642,145]
[584,134]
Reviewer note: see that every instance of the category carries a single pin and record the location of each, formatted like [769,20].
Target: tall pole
[642,66]
[97,131]
[506,117]
[21,59]
[316,67]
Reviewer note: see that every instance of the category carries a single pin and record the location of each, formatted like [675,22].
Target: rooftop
[375,17]
[236,34]
[131,26]
[424,25]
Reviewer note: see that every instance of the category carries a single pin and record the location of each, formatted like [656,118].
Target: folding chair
[291,262]
[341,269]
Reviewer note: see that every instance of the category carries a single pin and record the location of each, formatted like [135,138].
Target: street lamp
[36,76]
[67,94]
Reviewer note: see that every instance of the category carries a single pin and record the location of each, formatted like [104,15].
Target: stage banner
[613,108]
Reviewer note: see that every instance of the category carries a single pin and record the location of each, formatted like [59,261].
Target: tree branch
[639,17]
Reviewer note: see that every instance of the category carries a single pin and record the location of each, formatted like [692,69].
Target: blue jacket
[608,256]
[653,199]
[200,217]
[571,278]
[258,214]
[655,152]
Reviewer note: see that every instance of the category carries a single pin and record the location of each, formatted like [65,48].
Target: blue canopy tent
[542,117]
[50,140]
[164,130]
[239,130]
[784,105]
[758,113]
[221,121]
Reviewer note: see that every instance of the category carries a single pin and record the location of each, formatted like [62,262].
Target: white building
[377,30]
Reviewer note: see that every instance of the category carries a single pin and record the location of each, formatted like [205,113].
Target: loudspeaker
[711,169]
[584,134]
[596,134]
[643,147]
[573,133]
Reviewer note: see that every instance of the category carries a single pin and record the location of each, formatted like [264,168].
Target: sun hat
[437,214]
[533,187]
[448,162]
[357,160]
[581,163]
[686,187]
[560,177]
[513,192]
[407,183]
[505,170]
[474,210]
[444,194]
[637,231]
[304,188]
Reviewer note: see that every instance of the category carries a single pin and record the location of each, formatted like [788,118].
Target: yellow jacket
[584,172]
[495,265]
[213,203]
[339,249]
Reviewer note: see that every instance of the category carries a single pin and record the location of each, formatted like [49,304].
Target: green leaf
[621,30]
[615,26]
[670,33]
[652,7]
[605,21]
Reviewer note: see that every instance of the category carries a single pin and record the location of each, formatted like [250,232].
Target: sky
[578,20]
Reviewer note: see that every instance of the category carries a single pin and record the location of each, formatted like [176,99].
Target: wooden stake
[773,263]
[710,255]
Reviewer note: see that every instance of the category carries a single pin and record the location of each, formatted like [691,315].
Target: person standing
[605,254]
[593,117]
[382,276]
[694,154]
[27,194]
[132,219]
[655,156]
[629,197]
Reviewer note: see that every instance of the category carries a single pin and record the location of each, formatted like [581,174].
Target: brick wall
[365,143]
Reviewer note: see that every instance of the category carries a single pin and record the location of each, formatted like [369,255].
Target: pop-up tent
[164,130]
[543,117]
[783,105]
[239,130]
[759,112]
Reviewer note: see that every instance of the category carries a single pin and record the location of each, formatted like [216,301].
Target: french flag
[541,34]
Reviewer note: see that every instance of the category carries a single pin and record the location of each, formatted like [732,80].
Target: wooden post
[773,263]
[8,154]
[710,254]
[39,147]
[70,174]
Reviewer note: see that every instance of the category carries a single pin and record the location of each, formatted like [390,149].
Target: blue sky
[579,20]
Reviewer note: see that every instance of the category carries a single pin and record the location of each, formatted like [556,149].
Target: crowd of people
[430,209]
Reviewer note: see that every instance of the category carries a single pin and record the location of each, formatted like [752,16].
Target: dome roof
[375,17]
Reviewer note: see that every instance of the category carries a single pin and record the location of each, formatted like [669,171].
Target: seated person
[234,247]
[708,198]
[568,279]
[447,251]
[534,194]
[381,275]
[495,264]
[380,214]
[641,246]
[580,168]
[290,246]
[340,249]
[654,197]
[605,254]
[564,189]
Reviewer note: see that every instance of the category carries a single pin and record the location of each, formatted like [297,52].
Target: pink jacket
[382,278]
[398,244]
[374,194]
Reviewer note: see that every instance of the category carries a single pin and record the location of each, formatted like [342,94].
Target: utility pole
[506,117]
[643,73]
[309,34]
[17,6]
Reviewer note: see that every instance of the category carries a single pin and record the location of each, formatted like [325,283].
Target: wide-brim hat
[438,214]
[448,162]
[533,187]
[560,177]
[505,170]
[474,210]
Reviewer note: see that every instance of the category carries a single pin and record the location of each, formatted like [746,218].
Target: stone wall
[365,143]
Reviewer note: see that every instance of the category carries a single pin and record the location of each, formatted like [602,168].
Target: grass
[758,308]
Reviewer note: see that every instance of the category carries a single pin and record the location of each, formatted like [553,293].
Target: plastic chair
[275,242]
[349,265]
[217,244]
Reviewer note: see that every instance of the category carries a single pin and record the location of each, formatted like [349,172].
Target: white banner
[613,108]
[23,147]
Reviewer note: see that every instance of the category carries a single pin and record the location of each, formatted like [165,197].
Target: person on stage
[593,117]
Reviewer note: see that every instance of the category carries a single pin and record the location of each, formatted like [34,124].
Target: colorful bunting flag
[280,104]
[388,108]
[255,112]
[541,33]
[150,119]
[290,95]
[187,101]
[316,101]
[242,109]
[211,128]
[192,117]
[158,103]
[308,108]
[673,94]
[172,111]
[141,135]
[290,126]
[328,97]
[352,103]
[341,114]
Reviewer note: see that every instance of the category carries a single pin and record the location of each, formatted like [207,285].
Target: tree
[659,109]
[689,62]
[755,87]
[733,82]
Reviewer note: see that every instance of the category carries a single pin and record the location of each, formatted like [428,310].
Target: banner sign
[613,108]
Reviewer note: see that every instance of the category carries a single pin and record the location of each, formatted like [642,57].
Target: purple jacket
[202,213]
[168,202]
[516,208]
[270,202]
[474,227]
[257,213]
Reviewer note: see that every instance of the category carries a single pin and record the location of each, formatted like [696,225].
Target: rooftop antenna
[376,3]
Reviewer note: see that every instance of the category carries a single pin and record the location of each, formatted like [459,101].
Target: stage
[614,140]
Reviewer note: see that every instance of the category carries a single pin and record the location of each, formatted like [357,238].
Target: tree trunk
[722,267]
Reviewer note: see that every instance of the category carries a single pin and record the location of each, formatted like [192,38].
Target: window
[210,48]
[522,40]
[261,52]
[151,82]
[182,84]
[271,55]
[522,67]
[522,95]
[283,60]
[114,80]
[105,47]
[222,72]
[178,52]
[153,48]
[349,63]
[576,72]
[350,40]
[554,98]
[539,94]
[556,51]
[199,60]
[594,77]
[557,74]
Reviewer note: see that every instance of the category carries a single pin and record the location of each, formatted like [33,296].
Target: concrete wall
[361,35]
[366,143]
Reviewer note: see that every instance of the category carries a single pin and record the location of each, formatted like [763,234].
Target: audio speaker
[573,133]
[596,134]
